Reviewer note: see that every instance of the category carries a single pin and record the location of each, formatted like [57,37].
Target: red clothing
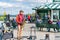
[29,17]
[50,22]
[19,18]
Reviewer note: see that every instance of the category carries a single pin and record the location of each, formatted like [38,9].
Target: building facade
[52,8]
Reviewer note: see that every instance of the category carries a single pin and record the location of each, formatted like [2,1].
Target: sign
[56,0]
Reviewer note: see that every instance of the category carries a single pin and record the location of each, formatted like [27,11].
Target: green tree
[4,15]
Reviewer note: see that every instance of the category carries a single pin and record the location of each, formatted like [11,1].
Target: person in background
[37,16]
[41,29]
[13,21]
[29,18]
[39,21]
[49,23]
[58,24]
[32,19]
[20,22]
[8,17]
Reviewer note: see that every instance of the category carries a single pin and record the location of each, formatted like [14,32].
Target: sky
[13,6]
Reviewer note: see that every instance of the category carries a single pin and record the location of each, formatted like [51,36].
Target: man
[39,23]
[13,22]
[20,22]
[8,17]
[58,25]
[49,24]
[29,18]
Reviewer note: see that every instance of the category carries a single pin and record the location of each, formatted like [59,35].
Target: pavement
[40,35]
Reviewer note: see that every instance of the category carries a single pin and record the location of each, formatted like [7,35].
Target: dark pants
[14,27]
[50,26]
[29,20]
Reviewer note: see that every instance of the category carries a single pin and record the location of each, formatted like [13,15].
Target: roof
[49,6]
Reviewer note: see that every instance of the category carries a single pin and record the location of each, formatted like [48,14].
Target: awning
[49,6]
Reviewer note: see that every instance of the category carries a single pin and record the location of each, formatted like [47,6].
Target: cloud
[4,4]
[19,0]
[15,6]
[35,1]
[31,0]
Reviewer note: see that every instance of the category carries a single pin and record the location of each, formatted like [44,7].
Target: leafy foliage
[3,17]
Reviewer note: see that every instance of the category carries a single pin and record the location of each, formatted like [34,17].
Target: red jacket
[19,18]
[29,17]
[50,22]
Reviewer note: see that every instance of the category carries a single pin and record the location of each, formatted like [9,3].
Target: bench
[46,25]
